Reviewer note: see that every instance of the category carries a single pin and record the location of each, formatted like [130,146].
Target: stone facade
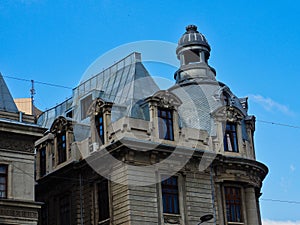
[155,157]
[17,136]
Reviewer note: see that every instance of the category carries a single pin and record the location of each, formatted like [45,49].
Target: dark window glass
[69,114]
[170,195]
[62,147]
[103,200]
[85,105]
[233,204]
[165,124]
[44,214]
[230,138]
[64,210]
[3,181]
[42,161]
[100,127]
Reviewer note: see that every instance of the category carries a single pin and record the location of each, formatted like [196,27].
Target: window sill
[235,223]
[104,222]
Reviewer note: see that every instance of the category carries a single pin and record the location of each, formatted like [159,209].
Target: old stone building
[121,151]
[17,136]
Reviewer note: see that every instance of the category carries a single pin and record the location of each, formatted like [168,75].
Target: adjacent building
[18,132]
[122,151]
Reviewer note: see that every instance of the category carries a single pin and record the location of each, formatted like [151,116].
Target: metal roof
[6,100]
[125,83]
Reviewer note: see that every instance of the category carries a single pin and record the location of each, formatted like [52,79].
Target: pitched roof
[124,84]
[6,101]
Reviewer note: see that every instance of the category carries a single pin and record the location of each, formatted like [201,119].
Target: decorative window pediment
[228,113]
[165,99]
[61,124]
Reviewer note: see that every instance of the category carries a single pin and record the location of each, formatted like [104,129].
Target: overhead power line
[281,201]
[39,82]
[66,87]
[279,124]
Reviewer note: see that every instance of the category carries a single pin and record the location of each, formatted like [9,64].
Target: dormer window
[100,117]
[230,138]
[61,147]
[165,124]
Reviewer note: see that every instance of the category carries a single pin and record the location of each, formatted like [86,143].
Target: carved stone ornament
[16,142]
[228,113]
[170,219]
[99,106]
[60,124]
[167,99]
[19,213]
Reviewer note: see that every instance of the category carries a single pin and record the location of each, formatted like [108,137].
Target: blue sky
[255,50]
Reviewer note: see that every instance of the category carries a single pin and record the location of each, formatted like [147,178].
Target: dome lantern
[193,51]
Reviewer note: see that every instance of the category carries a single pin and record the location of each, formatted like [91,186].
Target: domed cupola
[192,37]
[193,51]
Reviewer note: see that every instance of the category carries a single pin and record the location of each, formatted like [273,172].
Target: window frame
[103,215]
[61,146]
[231,135]
[172,192]
[165,123]
[5,184]
[43,161]
[100,124]
[235,215]
[65,201]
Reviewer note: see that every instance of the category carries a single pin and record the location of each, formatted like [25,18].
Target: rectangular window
[230,138]
[170,195]
[85,105]
[44,214]
[100,127]
[233,204]
[62,147]
[103,200]
[43,161]
[165,124]
[3,181]
[64,210]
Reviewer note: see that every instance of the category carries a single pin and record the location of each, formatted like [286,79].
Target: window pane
[43,161]
[62,147]
[233,204]
[170,195]
[230,138]
[3,181]
[103,200]
[100,127]
[64,210]
[165,124]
